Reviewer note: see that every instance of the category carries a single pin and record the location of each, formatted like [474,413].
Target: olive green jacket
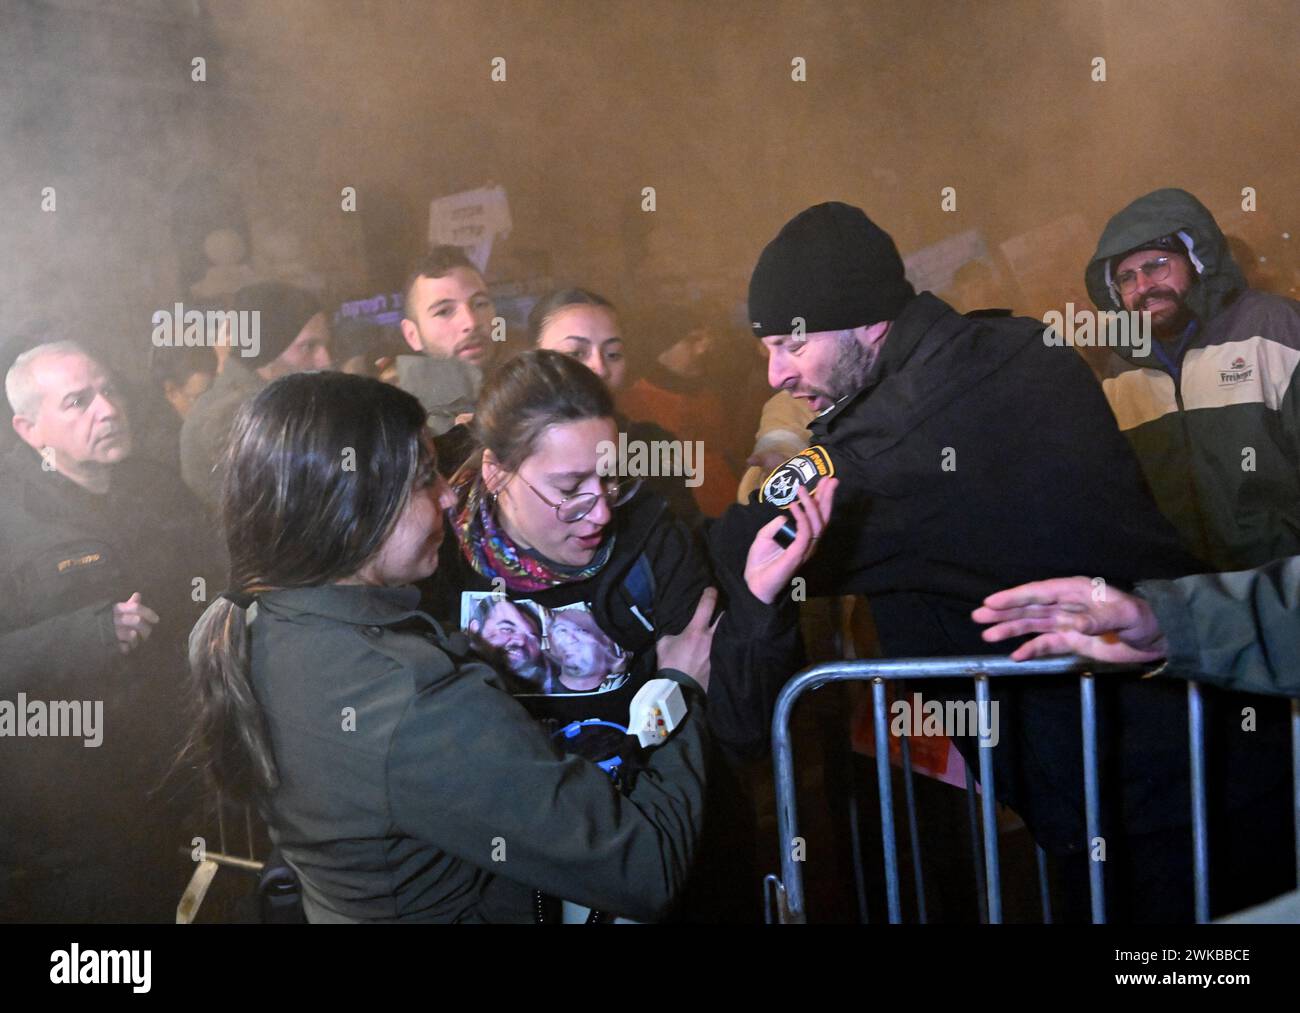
[1240,631]
[413,787]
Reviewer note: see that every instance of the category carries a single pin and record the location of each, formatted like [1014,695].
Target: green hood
[1160,213]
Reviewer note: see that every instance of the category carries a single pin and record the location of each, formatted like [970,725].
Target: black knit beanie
[284,312]
[833,267]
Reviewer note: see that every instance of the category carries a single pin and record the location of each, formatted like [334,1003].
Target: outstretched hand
[769,567]
[1069,617]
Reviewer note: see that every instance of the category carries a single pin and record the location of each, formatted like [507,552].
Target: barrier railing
[210,862]
[784,896]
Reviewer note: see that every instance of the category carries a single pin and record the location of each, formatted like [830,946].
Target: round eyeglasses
[1155,270]
[574,508]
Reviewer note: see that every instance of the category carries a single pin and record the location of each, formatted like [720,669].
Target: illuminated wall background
[305,97]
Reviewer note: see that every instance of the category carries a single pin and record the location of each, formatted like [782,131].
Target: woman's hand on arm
[688,652]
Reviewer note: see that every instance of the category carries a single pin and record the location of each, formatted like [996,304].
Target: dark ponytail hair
[528,393]
[317,470]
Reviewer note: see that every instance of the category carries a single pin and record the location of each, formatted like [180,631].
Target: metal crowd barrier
[206,869]
[784,896]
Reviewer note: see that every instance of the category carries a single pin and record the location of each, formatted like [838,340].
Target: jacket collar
[634,521]
[358,604]
[913,323]
[940,356]
[52,493]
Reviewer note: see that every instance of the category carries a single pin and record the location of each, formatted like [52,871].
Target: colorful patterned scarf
[492,554]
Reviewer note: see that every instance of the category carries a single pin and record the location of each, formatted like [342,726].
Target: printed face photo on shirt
[586,656]
[555,650]
[514,628]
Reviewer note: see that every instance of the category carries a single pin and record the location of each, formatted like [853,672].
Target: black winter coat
[89,830]
[977,458]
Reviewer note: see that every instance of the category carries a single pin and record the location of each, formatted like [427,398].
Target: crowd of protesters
[469,663]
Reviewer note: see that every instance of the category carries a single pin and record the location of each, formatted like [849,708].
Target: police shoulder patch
[806,468]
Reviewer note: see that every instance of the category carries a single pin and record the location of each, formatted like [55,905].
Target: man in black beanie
[293,336]
[972,456]
[825,291]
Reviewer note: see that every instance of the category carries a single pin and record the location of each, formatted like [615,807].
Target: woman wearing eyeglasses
[536,520]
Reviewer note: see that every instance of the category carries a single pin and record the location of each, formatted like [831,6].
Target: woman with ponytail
[396,774]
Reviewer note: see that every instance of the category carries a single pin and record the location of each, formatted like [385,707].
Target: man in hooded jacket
[1211,410]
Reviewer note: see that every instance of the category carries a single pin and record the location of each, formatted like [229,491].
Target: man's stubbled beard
[850,369]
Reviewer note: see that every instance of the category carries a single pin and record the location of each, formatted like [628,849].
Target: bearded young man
[1213,411]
